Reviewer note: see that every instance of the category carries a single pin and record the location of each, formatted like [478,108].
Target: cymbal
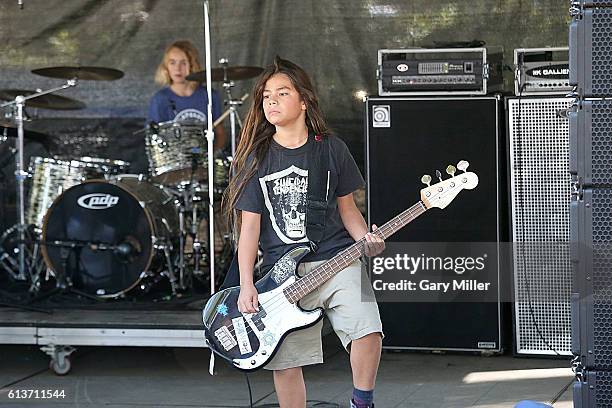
[30,135]
[48,101]
[230,73]
[81,73]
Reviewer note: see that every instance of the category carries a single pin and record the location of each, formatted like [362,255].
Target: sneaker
[355,406]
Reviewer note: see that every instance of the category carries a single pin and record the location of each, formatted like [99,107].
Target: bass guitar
[249,340]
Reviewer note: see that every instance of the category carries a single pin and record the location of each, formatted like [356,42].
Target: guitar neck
[331,267]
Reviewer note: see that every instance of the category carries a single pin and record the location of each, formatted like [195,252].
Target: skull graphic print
[285,197]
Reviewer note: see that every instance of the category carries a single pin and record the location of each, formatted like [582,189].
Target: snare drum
[50,177]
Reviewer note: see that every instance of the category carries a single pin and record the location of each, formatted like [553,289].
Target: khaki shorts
[350,306]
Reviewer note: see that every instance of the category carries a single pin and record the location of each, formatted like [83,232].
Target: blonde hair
[162,77]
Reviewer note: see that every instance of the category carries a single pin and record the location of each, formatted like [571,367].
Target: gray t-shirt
[278,191]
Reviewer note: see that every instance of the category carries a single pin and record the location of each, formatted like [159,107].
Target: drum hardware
[64,279]
[9,246]
[228,84]
[9,132]
[191,258]
[169,272]
[49,101]
[226,73]
[19,104]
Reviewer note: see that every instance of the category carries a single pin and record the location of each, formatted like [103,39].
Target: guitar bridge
[225,338]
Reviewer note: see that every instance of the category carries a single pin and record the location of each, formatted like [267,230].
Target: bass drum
[106,235]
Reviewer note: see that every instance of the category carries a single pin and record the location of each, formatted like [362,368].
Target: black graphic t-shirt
[278,192]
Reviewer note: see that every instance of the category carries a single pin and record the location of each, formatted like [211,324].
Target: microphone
[125,251]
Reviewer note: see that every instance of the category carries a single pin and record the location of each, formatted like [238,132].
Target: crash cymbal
[30,135]
[48,101]
[81,73]
[231,73]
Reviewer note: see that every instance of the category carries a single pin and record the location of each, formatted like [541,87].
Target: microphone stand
[210,135]
[63,282]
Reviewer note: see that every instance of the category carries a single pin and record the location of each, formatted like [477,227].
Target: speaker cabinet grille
[601,129]
[540,196]
[591,53]
[603,387]
[594,391]
[602,278]
[601,56]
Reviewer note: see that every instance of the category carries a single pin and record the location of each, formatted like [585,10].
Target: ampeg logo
[97,201]
[381,116]
[402,67]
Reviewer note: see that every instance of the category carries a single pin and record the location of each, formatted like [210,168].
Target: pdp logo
[381,116]
[97,201]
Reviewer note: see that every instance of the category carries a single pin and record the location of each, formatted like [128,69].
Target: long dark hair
[257,132]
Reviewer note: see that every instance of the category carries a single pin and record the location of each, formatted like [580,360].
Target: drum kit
[89,227]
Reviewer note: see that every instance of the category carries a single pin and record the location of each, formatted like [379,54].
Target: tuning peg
[463,165]
[439,175]
[426,179]
[451,170]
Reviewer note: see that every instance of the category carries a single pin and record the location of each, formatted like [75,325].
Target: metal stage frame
[58,331]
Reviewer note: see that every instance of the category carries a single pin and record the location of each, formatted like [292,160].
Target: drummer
[181,100]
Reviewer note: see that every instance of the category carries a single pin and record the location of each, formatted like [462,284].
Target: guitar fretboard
[328,269]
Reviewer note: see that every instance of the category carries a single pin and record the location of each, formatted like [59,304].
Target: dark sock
[362,399]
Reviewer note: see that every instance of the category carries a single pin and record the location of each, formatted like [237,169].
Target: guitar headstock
[444,192]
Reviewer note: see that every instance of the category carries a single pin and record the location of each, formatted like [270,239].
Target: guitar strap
[316,203]
[318,189]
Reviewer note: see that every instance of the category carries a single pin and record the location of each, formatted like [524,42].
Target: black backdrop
[335,40]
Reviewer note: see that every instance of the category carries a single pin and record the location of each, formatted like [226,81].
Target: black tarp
[336,41]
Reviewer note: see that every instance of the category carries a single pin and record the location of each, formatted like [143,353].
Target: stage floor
[178,377]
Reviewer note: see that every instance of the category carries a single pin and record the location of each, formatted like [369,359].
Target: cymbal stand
[20,175]
[233,103]
[197,244]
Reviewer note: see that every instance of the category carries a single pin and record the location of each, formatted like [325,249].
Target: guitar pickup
[225,338]
[256,319]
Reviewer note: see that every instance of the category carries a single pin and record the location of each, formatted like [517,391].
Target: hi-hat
[227,73]
[81,73]
[48,101]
